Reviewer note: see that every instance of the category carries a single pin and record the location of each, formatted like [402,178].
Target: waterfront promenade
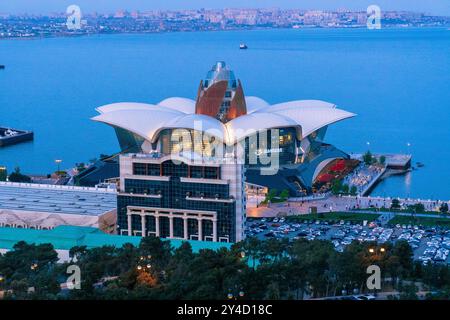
[339,204]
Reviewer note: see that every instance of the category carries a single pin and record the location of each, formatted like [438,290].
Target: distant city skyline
[437,7]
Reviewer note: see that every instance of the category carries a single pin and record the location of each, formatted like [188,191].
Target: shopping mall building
[288,137]
[219,141]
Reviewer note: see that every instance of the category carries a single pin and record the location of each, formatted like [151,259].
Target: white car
[365,297]
[335,243]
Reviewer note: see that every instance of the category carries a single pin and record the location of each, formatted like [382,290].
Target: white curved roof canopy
[148,123]
[255,103]
[304,103]
[147,120]
[311,119]
[184,105]
[249,124]
[133,106]
[144,123]
[197,122]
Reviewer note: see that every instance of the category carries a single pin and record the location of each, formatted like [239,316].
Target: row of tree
[252,269]
[370,159]
[338,187]
[273,196]
[417,207]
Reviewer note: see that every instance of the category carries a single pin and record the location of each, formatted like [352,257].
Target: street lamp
[234,294]
[2,280]
[58,163]
[144,263]
[377,251]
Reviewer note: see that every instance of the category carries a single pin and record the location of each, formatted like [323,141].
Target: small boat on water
[2,67]
[419,164]
[243,46]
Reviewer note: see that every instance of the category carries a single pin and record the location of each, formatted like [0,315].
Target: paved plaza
[335,204]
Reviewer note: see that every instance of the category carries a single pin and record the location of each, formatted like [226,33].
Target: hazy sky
[438,7]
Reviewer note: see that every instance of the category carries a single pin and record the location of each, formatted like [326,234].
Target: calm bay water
[397,81]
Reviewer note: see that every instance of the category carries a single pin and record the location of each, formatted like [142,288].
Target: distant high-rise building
[120,14]
[134,14]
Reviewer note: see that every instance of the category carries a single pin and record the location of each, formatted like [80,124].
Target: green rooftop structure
[65,237]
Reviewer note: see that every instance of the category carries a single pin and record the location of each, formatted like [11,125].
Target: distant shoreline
[74,35]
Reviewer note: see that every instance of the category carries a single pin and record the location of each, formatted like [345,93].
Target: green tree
[368,158]
[157,249]
[417,208]
[353,190]
[270,196]
[408,292]
[250,248]
[3,173]
[284,195]
[336,186]
[311,262]
[382,160]
[345,188]
[395,204]
[273,291]
[273,249]
[403,251]
[17,176]
[30,266]
[350,266]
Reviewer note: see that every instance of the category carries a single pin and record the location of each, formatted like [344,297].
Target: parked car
[365,297]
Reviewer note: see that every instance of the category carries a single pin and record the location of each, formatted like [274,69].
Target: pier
[9,136]
[394,164]
[398,161]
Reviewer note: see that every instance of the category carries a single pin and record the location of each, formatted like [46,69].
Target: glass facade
[171,169]
[276,142]
[128,141]
[183,140]
[175,194]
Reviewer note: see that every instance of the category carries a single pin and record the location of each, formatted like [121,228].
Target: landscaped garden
[424,221]
[335,217]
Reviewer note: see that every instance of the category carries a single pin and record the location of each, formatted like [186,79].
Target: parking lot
[429,244]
